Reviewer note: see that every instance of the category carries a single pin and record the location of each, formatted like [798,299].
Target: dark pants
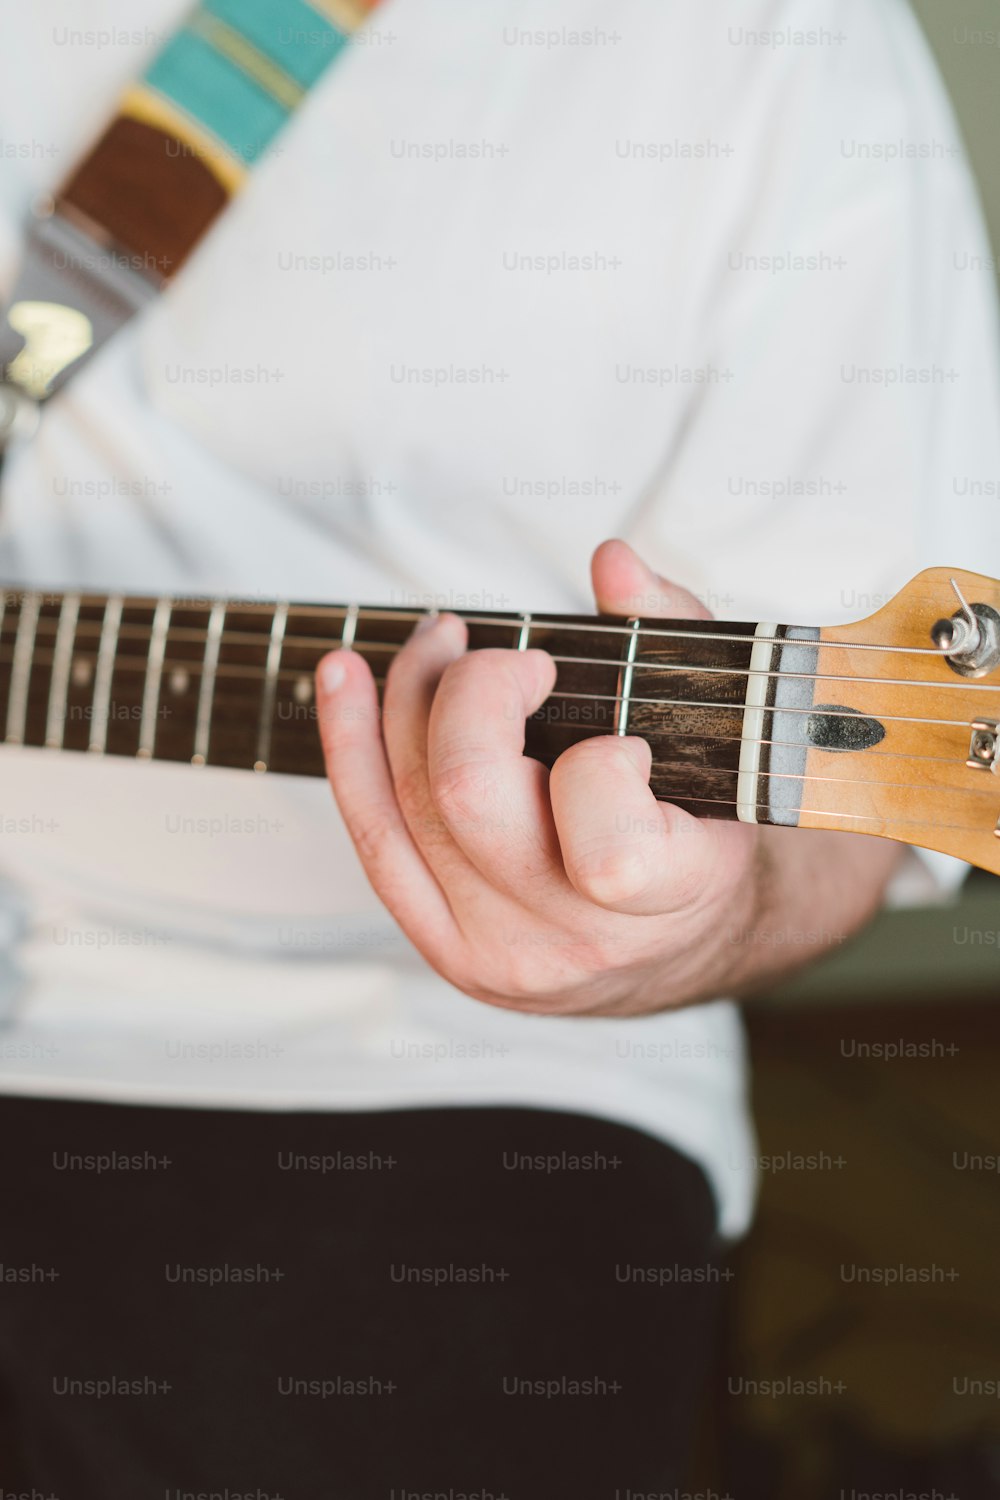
[379,1305]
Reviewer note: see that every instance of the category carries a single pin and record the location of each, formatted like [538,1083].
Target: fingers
[624,585]
[359,774]
[621,848]
[453,724]
[493,799]
[439,797]
[411,682]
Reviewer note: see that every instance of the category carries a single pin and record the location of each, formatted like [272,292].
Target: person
[316,1187]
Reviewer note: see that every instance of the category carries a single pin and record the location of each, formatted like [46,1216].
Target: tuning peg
[970,638]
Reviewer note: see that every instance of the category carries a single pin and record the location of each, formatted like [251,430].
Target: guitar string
[673,733]
[831,713]
[237,671]
[992,792]
[639,666]
[818,812]
[512,622]
[985,792]
[670,732]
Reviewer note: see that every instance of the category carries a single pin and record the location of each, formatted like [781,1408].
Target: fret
[77,716]
[40,673]
[524,632]
[240,687]
[350,628]
[154,677]
[180,682]
[696,739]
[585,698]
[129,677]
[489,633]
[272,668]
[625,680]
[306,637]
[210,666]
[103,673]
[55,723]
[20,675]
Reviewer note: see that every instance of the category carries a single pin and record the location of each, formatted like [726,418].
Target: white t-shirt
[575,216]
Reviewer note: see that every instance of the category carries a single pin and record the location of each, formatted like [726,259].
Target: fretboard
[227,683]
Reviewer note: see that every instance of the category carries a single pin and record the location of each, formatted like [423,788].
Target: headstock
[934,686]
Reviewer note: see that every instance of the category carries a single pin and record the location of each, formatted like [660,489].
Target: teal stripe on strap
[289,32]
[219,95]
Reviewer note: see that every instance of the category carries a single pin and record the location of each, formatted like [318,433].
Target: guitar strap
[182,143]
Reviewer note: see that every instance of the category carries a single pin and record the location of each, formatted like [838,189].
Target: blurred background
[868,1290]
[965,35]
[860,1357]
[861,1351]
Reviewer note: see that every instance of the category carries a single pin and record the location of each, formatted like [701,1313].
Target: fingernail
[427,623]
[331,674]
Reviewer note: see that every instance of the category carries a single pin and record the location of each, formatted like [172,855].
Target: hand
[519,884]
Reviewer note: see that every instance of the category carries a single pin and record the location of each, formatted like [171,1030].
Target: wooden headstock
[934,778]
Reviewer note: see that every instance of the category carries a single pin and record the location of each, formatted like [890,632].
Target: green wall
[971,70]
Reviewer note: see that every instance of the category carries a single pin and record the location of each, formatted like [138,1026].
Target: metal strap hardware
[182,142]
[70,297]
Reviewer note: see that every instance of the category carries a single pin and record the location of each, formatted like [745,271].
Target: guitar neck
[864,728]
[229,683]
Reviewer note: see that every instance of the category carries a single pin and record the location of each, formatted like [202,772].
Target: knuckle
[540,964]
[601,956]
[611,877]
[526,981]
[368,837]
[461,791]
[538,970]
[515,978]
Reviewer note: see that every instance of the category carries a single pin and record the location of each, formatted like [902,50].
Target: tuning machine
[970,638]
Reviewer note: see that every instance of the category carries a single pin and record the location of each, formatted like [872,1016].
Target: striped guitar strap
[184,139]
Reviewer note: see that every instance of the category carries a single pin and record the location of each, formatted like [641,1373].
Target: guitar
[890,726]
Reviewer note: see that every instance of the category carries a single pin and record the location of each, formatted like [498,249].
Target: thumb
[624,585]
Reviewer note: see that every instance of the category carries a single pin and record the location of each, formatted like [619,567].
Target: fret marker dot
[179,680]
[303,690]
[82,673]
